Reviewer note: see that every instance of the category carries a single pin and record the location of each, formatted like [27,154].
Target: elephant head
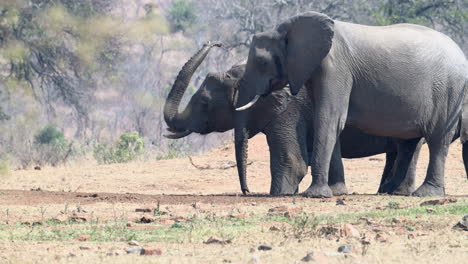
[287,55]
[212,108]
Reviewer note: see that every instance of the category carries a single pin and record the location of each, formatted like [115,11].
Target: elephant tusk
[178,134]
[250,104]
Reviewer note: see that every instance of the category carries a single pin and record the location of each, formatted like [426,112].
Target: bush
[50,146]
[182,15]
[127,148]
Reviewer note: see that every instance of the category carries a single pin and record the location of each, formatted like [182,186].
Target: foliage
[4,167]
[127,148]
[50,146]
[182,15]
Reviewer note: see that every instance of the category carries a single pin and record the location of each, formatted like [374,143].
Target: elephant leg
[405,155]
[408,185]
[336,179]
[465,157]
[288,162]
[388,171]
[434,182]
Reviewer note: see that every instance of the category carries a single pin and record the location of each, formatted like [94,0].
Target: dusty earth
[90,213]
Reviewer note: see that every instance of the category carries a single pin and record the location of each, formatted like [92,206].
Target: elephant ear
[308,39]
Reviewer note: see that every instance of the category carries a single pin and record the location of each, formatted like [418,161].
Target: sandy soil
[115,191]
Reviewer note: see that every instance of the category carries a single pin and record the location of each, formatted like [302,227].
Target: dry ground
[43,213]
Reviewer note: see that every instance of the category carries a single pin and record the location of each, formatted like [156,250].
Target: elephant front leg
[336,179]
[287,163]
[325,138]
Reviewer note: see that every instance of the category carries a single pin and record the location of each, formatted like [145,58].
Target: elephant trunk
[241,145]
[174,120]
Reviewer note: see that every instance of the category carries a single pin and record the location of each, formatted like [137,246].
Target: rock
[146,219]
[439,202]
[71,255]
[252,250]
[129,224]
[463,224]
[253,204]
[83,238]
[265,247]
[367,220]
[316,257]
[133,243]
[430,210]
[215,240]
[134,250]
[380,238]
[37,168]
[274,228]
[396,220]
[233,216]
[84,248]
[340,202]
[410,236]
[345,249]
[350,231]
[151,251]
[143,210]
[287,211]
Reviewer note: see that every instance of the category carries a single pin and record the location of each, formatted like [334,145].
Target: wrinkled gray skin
[283,118]
[402,81]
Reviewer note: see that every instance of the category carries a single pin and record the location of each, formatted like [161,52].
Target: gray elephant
[285,120]
[402,81]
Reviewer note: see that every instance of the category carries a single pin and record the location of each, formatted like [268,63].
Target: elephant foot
[429,190]
[339,189]
[318,191]
[387,188]
[404,190]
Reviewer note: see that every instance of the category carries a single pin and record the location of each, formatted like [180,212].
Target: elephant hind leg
[434,182]
[387,174]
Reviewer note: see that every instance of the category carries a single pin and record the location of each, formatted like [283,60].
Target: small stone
[215,240]
[350,231]
[265,247]
[83,238]
[129,224]
[345,249]
[287,211]
[396,220]
[37,168]
[134,250]
[463,224]
[253,204]
[143,210]
[274,228]
[380,238]
[439,202]
[410,236]
[151,251]
[71,255]
[316,257]
[252,250]
[84,248]
[340,202]
[146,219]
[430,210]
[133,243]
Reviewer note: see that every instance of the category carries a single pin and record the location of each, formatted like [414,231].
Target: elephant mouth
[177,134]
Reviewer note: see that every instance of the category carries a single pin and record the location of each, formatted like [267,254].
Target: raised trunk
[172,116]
[241,145]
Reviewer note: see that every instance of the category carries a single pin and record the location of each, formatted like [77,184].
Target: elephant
[283,118]
[402,81]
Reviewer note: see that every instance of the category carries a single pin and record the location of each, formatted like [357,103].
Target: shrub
[50,146]
[4,168]
[181,15]
[127,148]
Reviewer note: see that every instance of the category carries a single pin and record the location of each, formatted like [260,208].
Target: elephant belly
[356,144]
